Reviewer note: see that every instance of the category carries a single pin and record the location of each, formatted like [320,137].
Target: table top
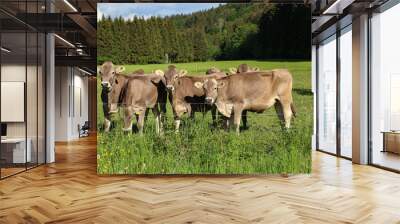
[13,140]
[391,132]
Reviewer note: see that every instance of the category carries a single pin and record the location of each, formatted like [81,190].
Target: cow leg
[237,117]
[287,112]
[146,115]
[163,113]
[141,122]
[191,112]
[107,124]
[214,115]
[128,120]
[279,112]
[244,118]
[158,121]
[177,124]
[228,121]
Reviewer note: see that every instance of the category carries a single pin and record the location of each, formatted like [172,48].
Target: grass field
[264,148]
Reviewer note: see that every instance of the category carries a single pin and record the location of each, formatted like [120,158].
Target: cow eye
[113,73]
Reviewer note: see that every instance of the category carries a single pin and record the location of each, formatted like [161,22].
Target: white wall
[70,83]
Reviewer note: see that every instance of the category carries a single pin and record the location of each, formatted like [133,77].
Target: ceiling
[74,22]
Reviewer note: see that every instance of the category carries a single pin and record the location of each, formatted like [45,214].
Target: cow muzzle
[209,100]
[170,87]
[106,85]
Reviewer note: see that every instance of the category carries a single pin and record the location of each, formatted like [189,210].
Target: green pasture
[199,148]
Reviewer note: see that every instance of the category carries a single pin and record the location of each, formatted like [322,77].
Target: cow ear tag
[182,73]
[159,72]
[198,85]
[120,69]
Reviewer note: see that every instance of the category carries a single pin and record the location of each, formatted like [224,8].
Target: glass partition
[14,153]
[22,87]
[385,89]
[346,92]
[327,95]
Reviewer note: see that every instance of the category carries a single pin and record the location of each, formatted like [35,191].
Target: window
[327,95]
[346,95]
[385,88]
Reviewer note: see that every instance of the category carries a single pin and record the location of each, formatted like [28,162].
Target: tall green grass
[199,148]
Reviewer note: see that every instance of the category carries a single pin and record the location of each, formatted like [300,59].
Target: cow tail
[293,109]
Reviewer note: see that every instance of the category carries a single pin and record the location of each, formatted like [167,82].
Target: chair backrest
[86,125]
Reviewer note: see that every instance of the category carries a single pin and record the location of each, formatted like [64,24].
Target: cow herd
[231,95]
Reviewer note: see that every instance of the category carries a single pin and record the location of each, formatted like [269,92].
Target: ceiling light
[86,72]
[70,5]
[64,40]
[337,7]
[5,50]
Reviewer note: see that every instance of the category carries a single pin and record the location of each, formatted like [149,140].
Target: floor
[10,171]
[387,159]
[69,191]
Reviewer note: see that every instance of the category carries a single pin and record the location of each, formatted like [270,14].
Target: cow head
[115,93]
[243,68]
[158,76]
[107,73]
[212,70]
[172,75]
[210,87]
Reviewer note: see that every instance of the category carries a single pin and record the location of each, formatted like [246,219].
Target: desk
[391,141]
[13,150]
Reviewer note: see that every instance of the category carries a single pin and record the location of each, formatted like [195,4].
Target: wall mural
[204,89]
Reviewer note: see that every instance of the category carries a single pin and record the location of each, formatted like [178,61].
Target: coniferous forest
[228,32]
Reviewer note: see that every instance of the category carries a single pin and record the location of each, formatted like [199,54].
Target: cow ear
[182,73]
[256,69]
[156,79]
[198,85]
[139,71]
[120,69]
[221,85]
[232,70]
[159,73]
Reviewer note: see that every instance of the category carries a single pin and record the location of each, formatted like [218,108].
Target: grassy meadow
[264,148]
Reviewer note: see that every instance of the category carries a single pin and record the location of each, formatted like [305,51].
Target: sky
[146,10]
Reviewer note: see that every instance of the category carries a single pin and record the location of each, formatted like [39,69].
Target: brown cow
[114,86]
[256,92]
[185,97]
[108,72]
[243,68]
[141,93]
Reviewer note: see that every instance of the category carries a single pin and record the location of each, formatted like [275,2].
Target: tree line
[230,31]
